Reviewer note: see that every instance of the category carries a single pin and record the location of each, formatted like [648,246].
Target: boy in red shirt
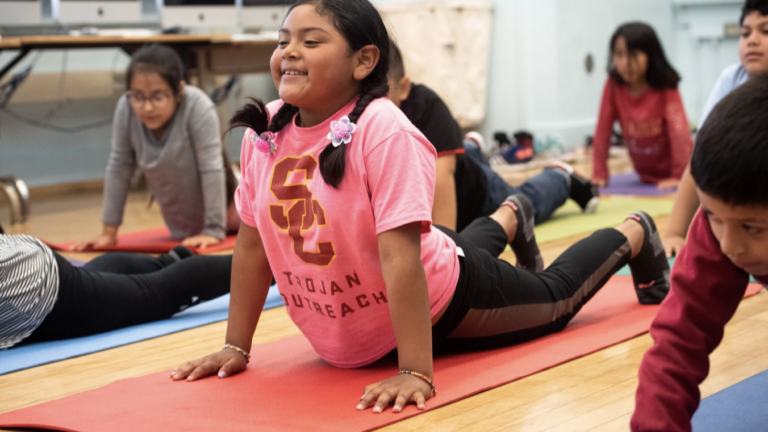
[727,242]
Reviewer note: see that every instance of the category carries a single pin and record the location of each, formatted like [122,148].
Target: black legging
[496,304]
[119,289]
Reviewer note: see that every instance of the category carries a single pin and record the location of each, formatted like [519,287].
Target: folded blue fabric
[36,354]
[740,407]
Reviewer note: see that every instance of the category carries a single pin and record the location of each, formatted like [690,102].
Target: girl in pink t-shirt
[641,93]
[336,201]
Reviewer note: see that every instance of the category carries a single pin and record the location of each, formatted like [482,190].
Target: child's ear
[367,59]
[182,84]
[404,88]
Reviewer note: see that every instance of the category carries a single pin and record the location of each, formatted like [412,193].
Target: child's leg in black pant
[94,302]
[129,263]
[497,304]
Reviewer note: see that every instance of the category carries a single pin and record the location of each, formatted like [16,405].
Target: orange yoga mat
[287,387]
[156,240]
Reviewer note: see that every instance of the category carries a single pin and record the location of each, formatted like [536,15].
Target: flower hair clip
[341,131]
[265,142]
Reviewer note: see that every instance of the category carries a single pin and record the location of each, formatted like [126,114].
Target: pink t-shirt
[322,242]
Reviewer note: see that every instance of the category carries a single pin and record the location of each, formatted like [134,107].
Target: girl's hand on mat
[400,390]
[201,241]
[101,240]
[598,182]
[668,184]
[673,245]
[223,363]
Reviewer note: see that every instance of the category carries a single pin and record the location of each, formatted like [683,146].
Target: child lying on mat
[641,93]
[466,187]
[336,202]
[44,297]
[170,130]
[753,52]
[727,242]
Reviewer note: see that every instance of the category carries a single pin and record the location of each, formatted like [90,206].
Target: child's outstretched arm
[117,179]
[444,210]
[683,211]
[400,255]
[602,139]
[680,139]
[251,276]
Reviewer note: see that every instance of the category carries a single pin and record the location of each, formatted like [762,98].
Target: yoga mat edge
[290,365]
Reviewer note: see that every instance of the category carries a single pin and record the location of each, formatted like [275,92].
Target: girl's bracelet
[240,350]
[421,377]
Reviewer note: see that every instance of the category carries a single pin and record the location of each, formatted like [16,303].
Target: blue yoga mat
[36,354]
[738,408]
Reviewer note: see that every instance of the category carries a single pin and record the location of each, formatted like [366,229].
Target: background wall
[537,79]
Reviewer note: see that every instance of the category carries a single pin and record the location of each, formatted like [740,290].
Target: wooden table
[207,55]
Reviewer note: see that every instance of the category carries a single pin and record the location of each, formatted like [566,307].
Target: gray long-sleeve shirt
[184,169]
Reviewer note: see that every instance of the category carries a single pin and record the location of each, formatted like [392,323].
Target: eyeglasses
[156,99]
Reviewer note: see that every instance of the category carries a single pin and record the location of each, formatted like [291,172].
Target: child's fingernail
[376,409]
[222,374]
[359,406]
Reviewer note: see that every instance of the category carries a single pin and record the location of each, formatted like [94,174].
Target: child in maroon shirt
[727,242]
[641,93]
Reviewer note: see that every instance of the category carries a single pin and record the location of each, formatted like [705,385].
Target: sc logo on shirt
[303,209]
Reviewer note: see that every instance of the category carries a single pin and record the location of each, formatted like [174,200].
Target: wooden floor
[593,393]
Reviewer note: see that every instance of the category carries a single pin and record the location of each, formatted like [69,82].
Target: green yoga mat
[568,220]
[624,271]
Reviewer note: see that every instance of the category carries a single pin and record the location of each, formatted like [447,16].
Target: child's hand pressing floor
[224,363]
[400,390]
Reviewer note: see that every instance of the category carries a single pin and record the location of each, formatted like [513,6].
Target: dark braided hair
[360,24]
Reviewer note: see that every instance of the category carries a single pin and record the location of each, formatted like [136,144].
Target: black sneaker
[586,194]
[650,268]
[524,244]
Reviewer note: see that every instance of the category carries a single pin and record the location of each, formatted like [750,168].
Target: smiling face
[630,65]
[742,232]
[313,66]
[753,43]
[153,100]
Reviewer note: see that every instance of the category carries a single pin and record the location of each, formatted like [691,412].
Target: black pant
[496,304]
[118,290]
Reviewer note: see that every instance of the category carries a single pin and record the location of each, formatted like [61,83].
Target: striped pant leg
[497,304]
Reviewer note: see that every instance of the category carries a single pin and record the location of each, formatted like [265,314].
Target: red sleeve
[602,141]
[706,290]
[680,139]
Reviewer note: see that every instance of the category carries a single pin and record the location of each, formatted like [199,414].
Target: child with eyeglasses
[170,130]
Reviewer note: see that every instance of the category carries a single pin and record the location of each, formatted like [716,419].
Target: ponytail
[333,159]
[252,115]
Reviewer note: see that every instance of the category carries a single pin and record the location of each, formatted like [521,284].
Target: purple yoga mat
[630,184]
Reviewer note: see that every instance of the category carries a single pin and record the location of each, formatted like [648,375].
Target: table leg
[201,65]
[14,61]
[18,197]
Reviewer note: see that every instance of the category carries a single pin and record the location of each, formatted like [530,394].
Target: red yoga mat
[287,387]
[156,240]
